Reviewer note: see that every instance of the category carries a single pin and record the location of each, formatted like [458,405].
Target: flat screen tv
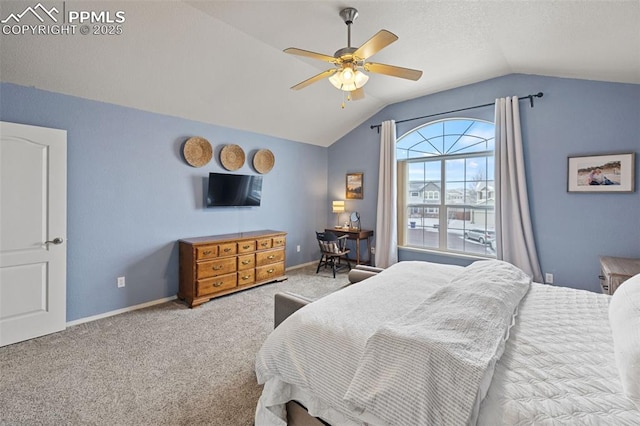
[227,190]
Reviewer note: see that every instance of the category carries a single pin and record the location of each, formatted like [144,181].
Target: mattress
[558,365]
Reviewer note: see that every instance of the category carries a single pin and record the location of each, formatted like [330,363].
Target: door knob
[55,241]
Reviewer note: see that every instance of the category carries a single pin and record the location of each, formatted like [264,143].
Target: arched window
[446,187]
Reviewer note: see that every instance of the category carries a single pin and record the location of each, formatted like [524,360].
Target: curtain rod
[530,97]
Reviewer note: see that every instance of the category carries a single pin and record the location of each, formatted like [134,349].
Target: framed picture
[601,173]
[354,186]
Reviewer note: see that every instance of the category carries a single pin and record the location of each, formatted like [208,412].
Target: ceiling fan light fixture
[348,79]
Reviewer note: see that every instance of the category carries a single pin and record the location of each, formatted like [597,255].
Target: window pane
[455,193]
[424,149]
[433,171]
[454,170]
[471,230]
[416,172]
[480,235]
[414,145]
[432,131]
[457,219]
[423,226]
[476,168]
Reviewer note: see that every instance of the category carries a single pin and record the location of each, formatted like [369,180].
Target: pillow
[330,247]
[624,317]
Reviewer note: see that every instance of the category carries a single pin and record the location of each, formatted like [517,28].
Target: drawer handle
[264,244]
[218,284]
[602,277]
[227,250]
[246,247]
[246,262]
[270,257]
[206,252]
[217,267]
[270,271]
[246,277]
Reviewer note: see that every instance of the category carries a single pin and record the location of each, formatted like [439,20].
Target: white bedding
[457,334]
[557,367]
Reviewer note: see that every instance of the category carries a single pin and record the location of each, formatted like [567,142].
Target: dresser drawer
[265,243]
[216,267]
[246,277]
[206,252]
[269,271]
[279,242]
[246,261]
[270,256]
[214,285]
[227,249]
[246,246]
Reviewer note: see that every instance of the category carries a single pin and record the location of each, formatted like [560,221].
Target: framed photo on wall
[601,173]
[354,190]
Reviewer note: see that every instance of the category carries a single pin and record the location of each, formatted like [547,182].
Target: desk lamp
[338,207]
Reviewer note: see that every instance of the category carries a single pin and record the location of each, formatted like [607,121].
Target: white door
[33,227]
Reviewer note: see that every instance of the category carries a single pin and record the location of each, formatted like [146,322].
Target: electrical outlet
[121,282]
[548,278]
[298,249]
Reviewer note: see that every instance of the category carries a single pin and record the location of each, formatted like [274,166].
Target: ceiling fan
[349,61]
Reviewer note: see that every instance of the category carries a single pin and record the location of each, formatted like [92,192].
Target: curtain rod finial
[537,95]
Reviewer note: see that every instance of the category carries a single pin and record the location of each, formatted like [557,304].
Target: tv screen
[234,190]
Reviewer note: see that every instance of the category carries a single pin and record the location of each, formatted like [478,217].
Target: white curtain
[386,223]
[514,234]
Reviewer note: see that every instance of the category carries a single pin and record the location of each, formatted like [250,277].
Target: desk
[357,235]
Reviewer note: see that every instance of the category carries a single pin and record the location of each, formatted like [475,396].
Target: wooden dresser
[616,270]
[221,264]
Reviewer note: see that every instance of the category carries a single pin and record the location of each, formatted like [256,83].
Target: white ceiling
[221,62]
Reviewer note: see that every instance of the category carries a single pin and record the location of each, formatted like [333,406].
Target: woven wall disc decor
[263,161]
[232,157]
[197,151]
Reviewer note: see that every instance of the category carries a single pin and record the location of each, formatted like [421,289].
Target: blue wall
[131,195]
[574,117]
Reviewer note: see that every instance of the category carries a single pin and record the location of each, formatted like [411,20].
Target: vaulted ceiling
[222,62]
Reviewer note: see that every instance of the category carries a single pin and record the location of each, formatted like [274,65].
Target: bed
[373,353]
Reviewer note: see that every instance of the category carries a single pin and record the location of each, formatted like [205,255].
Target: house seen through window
[446,192]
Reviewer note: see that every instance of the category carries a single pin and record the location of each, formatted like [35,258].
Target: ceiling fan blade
[357,94]
[379,41]
[312,55]
[313,79]
[393,71]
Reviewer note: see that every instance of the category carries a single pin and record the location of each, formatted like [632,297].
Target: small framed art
[601,173]
[354,190]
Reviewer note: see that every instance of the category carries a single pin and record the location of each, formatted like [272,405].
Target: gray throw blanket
[434,364]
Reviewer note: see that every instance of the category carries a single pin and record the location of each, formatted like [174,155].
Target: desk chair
[333,249]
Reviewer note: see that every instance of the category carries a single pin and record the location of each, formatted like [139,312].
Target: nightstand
[616,270]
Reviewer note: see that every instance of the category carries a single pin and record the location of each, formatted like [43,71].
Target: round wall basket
[263,161]
[232,157]
[197,151]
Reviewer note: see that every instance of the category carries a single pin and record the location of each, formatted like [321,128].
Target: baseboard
[302,265]
[153,302]
[120,311]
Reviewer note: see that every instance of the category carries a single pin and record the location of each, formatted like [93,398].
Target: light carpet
[163,365]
